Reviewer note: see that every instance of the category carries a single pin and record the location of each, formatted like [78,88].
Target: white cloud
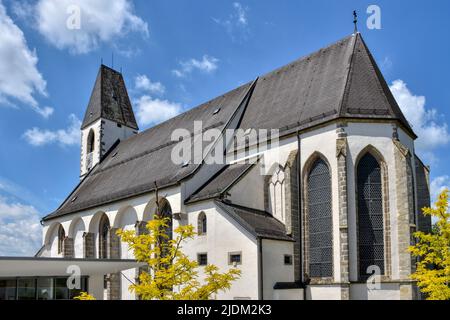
[20,78]
[431,132]
[64,137]
[236,24]
[241,13]
[20,230]
[206,65]
[153,111]
[438,185]
[142,82]
[98,21]
[45,112]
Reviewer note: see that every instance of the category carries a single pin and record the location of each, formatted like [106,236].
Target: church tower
[109,117]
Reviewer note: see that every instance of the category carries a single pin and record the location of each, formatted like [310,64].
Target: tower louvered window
[370,216]
[320,220]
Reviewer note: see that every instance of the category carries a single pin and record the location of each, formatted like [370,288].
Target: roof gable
[259,223]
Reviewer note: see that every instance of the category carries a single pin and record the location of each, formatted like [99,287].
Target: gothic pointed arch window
[370,215]
[165,211]
[103,232]
[277,194]
[91,142]
[202,224]
[61,236]
[319,220]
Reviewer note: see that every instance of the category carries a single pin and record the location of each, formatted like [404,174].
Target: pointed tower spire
[109,100]
[109,117]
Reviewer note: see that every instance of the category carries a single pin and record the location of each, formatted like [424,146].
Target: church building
[327,212]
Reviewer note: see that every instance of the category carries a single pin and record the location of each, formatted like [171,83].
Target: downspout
[300,216]
[261,273]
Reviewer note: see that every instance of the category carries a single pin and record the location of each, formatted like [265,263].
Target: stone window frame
[276,167]
[234,253]
[90,143]
[202,218]
[103,239]
[305,214]
[198,258]
[386,210]
[61,238]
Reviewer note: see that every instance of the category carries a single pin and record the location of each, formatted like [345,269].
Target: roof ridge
[305,57]
[245,84]
[349,72]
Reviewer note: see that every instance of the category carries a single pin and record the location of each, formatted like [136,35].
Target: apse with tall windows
[319,220]
[371,251]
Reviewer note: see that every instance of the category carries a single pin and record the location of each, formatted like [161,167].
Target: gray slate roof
[259,223]
[109,100]
[136,163]
[339,81]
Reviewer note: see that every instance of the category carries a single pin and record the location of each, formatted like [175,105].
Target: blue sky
[175,55]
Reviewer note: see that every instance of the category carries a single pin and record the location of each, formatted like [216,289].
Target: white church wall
[249,191]
[323,292]
[126,220]
[253,196]
[54,243]
[274,269]
[112,132]
[77,228]
[386,291]
[224,236]
[288,294]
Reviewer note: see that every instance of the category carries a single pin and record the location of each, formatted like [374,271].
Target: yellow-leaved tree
[433,250]
[170,274]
